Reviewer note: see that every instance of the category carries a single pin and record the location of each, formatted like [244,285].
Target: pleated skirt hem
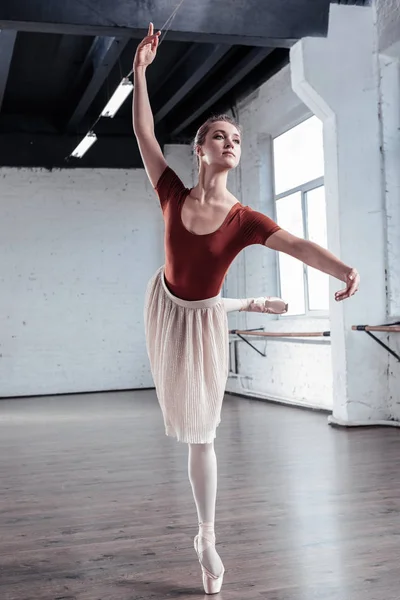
[188,348]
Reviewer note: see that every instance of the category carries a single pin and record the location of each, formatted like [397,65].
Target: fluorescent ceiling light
[118,98]
[85,144]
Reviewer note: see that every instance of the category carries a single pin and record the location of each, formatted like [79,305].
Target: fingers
[150,33]
[353,288]
[353,282]
[342,294]
[346,293]
[150,38]
[339,295]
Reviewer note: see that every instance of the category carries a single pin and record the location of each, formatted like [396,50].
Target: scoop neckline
[237,204]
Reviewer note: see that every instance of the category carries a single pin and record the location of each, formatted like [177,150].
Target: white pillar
[337,77]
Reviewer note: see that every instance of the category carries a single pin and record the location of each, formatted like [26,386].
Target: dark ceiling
[61,61]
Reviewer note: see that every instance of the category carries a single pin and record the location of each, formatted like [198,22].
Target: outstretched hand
[147,49]
[352,285]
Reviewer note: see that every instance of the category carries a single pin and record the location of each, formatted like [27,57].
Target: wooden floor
[95,504]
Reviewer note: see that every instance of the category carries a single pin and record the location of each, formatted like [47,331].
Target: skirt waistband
[206,303]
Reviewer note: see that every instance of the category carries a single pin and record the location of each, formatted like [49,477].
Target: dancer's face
[222,146]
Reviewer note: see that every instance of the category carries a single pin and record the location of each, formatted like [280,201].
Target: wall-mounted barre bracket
[249,332]
[387,327]
[250,344]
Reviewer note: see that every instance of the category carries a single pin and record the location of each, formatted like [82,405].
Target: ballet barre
[280,334]
[395,327]
[275,334]
[386,327]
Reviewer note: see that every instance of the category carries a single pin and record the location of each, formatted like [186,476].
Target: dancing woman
[185,317]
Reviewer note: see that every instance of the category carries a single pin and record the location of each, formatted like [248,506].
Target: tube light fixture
[85,144]
[118,98]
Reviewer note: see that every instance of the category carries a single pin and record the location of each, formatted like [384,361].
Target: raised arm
[143,121]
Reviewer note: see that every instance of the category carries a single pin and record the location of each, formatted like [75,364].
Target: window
[300,209]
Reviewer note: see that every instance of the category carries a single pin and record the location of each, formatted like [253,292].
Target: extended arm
[315,256]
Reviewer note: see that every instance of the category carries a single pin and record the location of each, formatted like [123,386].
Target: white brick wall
[298,373]
[387,14]
[78,247]
[76,251]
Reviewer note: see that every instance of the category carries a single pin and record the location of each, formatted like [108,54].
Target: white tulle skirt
[188,347]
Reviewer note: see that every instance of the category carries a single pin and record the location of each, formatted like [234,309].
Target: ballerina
[185,316]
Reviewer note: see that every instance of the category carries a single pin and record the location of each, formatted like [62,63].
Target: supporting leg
[202,468]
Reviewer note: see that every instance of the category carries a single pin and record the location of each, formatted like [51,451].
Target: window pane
[318,283]
[298,155]
[291,271]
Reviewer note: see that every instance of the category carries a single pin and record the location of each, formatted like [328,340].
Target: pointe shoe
[212,583]
[268,304]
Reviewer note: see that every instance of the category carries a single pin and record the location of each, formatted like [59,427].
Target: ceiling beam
[222,86]
[276,23]
[100,60]
[52,151]
[167,74]
[199,61]
[7,42]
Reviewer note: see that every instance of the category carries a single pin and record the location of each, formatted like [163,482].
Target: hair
[205,128]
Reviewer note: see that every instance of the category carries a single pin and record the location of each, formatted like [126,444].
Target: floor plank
[95,503]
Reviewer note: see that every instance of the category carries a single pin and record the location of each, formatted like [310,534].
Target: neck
[212,183]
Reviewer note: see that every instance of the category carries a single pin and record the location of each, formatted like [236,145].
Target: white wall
[292,372]
[358,98]
[77,248]
[338,78]
[390,112]
[387,19]
[387,22]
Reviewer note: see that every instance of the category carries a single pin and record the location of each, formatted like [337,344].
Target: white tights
[231,304]
[202,468]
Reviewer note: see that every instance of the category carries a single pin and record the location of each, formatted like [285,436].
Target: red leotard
[196,265]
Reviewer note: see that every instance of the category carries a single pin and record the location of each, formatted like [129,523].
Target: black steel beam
[249,84]
[166,75]
[199,61]
[230,79]
[101,58]
[50,151]
[276,23]
[353,2]
[7,42]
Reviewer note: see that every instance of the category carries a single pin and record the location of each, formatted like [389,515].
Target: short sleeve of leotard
[256,227]
[168,187]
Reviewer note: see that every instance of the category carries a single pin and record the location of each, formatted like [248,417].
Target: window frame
[303,189]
